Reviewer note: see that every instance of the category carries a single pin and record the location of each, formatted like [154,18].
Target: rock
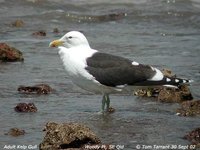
[194,138]
[175,95]
[166,94]
[168,73]
[10,54]
[35,89]
[150,92]
[25,107]
[185,92]
[55,30]
[189,108]
[169,95]
[18,23]
[67,136]
[39,33]
[111,17]
[98,18]
[153,92]
[15,132]
[111,110]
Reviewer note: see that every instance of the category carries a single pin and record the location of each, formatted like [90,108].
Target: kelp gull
[105,73]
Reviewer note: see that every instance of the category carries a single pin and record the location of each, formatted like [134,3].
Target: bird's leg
[103,103]
[107,102]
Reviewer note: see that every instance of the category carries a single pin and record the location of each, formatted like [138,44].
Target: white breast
[74,61]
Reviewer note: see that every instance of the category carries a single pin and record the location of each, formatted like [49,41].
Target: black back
[113,70]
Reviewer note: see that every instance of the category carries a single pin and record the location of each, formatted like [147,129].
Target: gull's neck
[83,50]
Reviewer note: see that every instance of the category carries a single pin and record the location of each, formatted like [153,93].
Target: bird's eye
[70,37]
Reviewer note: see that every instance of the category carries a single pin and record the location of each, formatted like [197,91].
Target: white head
[71,39]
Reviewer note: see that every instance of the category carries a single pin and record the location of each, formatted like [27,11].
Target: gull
[104,73]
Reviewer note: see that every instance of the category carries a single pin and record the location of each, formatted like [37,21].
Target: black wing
[113,70]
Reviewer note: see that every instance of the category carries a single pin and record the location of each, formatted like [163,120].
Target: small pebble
[15,132]
[39,33]
[25,107]
[18,23]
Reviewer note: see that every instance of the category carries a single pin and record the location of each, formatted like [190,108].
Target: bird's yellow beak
[56,43]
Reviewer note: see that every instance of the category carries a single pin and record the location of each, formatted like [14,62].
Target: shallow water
[162,33]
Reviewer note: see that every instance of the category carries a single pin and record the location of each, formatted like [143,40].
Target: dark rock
[153,92]
[35,89]
[39,33]
[111,110]
[18,23]
[55,30]
[15,132]
[111,17]
[164,94]
[98,18]
[194,138]
[169,95]
[67,136]
[9,54]
[189,108]
[25,107]
[150,92]
[175,95]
